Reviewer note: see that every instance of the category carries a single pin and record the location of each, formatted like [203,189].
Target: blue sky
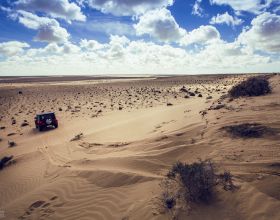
[39,37]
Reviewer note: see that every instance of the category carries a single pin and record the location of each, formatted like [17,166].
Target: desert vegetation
[193,184]
[248,130]
[253,86]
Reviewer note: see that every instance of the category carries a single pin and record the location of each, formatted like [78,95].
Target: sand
[134,130]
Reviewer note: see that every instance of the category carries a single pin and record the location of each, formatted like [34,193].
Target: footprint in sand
[41,208]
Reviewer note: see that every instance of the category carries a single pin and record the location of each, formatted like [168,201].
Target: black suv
[45,120]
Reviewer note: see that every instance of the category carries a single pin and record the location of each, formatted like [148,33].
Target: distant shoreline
[69,78]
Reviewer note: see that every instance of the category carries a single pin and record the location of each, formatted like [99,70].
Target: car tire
[41,128]
[56,126]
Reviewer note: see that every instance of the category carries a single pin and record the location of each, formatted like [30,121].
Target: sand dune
[133,131]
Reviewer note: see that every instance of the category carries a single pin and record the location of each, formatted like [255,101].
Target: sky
[92,37]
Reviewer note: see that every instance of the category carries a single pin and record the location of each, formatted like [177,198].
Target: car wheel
[41,128]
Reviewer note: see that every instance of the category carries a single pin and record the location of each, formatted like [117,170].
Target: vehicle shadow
[48,129]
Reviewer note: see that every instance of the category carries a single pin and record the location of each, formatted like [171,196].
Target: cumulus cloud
[226,18]
[203,35]
[253,6]
[12,48]
[159,24]
[197,9]
[54,8]
[126,7]
[49,29]
[264,33]
[121,55]
[91,45]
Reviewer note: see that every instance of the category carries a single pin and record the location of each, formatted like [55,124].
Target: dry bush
[254,86]
[198,179]
[11,143]
[5,161]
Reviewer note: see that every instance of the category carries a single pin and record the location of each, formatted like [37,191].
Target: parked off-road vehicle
[45,120]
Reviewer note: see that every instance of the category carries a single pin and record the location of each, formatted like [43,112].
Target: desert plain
[118,138]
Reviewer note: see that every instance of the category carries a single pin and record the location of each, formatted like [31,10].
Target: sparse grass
[254,86]
[248,130]
[77,137]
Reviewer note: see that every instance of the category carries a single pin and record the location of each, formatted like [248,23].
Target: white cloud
[202,35]
[55,8]
[264,34]
[12,48]
[226,19]
[126,7]
[49,29]
[159,24]
[253,6]
[197,10]
[91,45]
[121,55]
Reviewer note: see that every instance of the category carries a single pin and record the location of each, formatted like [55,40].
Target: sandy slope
[116,169]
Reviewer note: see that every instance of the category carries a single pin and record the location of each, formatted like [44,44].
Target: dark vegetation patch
[5,161]
[249,130]
[254,86]
[193,183]
[198,179]
[12,143]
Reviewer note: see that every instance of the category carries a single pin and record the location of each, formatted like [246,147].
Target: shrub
[248,130]
[4,161]
[254,86]
[11,143]
[198,179]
